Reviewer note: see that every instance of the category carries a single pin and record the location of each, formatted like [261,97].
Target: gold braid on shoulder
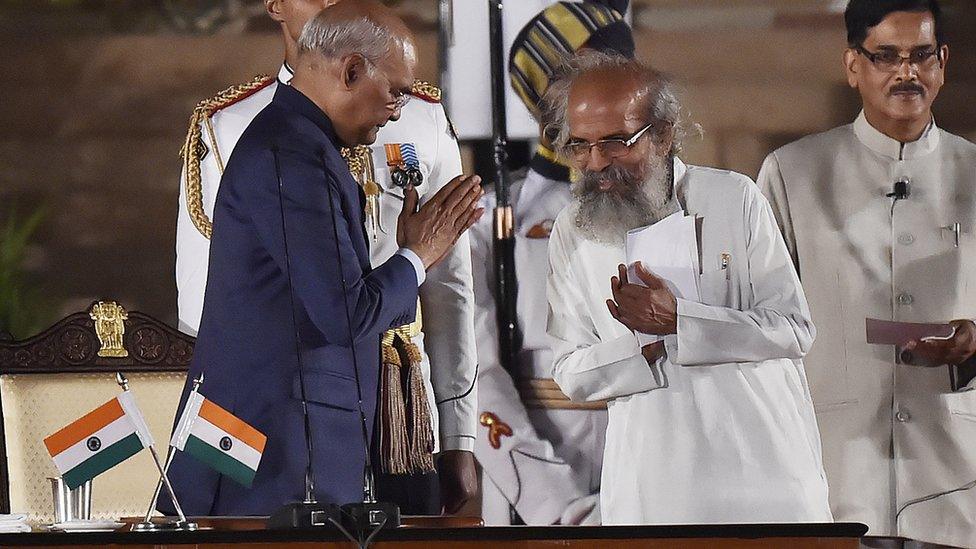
[194,149]
[426,91]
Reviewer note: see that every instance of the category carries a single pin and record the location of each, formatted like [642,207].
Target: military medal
[404,164]
[372,192]
[360,161]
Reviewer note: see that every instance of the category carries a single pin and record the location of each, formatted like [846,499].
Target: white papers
[12,524]
[669,249]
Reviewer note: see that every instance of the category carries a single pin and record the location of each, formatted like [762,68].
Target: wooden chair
[55,377]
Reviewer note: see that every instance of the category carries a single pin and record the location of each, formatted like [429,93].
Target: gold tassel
[393,420]
[421,432]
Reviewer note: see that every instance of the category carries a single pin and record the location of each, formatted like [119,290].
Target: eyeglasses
[400,97]
[612,148]
[891,60]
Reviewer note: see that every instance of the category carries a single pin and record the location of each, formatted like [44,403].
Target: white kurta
[553,456]
[448,343]
[722,429]
[892,433]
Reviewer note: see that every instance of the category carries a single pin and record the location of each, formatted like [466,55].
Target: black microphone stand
[368,514]
[308,513]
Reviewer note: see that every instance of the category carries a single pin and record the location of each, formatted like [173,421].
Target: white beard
[606,216]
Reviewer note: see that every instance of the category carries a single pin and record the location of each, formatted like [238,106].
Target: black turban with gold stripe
[556,34]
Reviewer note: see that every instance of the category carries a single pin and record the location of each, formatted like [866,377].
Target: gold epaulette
[358,159]
[426,91]
[194,149]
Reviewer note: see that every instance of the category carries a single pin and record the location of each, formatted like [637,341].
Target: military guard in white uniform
[435,356]
[879,217]
[540,452]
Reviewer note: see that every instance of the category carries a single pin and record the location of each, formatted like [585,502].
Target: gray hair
[663,100]
[337,38]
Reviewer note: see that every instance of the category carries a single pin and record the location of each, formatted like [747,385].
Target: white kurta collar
[285,73]
[680,185]
[892,148]
[679,170]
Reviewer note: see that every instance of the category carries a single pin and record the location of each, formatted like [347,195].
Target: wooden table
[456,533]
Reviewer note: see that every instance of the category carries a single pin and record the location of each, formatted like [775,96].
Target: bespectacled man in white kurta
[716,424]
[899,439]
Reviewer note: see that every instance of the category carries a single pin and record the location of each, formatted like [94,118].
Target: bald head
[607,94]
[613,93]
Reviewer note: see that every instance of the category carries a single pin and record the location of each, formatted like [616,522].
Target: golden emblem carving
[109,319]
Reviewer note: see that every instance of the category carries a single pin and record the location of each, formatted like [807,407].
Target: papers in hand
[886,332]
[669,249]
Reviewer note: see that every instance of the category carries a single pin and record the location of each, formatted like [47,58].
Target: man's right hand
[432,231]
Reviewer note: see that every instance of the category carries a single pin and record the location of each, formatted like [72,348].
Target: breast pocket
[714,287]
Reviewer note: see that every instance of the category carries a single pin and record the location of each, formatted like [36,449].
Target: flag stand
[147,525]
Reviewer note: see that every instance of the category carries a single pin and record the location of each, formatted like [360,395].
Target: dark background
[97,95]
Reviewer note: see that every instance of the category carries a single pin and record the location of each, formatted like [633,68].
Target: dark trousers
[415,494]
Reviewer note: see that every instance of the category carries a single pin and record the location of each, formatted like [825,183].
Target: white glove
[584,511]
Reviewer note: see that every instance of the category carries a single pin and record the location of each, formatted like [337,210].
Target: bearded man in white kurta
[898,436]
[716,424]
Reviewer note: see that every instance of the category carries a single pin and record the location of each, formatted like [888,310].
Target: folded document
[669,249]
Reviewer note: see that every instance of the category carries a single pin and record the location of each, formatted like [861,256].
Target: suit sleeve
[585,367]
[448,304]
[377,300]
[539,484]
[777,325]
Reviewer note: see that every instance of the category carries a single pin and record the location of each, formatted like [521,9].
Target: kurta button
[906,238]
[903,416]
[905,298]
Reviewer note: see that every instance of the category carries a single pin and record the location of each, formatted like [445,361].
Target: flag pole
[170,454]
[182,524]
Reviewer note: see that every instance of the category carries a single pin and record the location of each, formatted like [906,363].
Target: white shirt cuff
[418,265]
[457,442]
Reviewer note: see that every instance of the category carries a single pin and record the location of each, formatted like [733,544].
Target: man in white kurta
[540,452]
[897,436]
[718,426]
[447,341]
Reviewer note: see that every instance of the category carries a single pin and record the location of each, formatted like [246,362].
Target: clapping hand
[651,309]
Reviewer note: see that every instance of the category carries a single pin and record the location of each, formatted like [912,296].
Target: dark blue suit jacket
[246,345]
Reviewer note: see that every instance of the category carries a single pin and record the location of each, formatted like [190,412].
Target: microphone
[901,189]
[308,513]
[368,514]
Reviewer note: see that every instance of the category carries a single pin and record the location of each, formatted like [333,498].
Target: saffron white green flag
[99,440]
[219,439]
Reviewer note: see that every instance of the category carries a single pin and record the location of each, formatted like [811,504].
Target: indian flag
[100,440]
[219,439]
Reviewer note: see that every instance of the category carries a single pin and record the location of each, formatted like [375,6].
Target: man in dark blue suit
[290,272]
